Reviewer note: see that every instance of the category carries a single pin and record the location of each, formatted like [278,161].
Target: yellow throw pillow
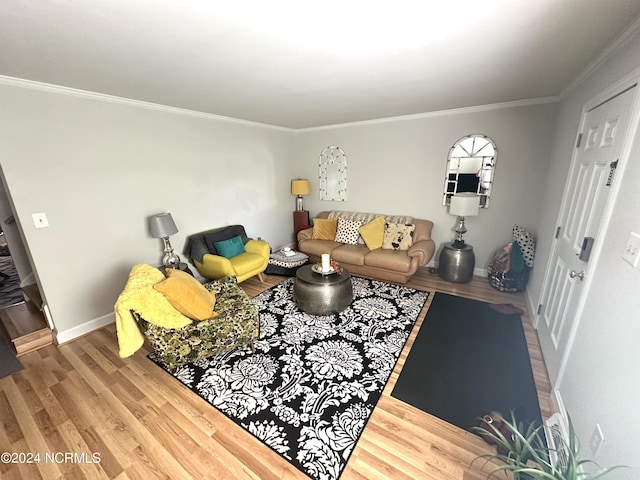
[324,229]
[187,295]
[373,233]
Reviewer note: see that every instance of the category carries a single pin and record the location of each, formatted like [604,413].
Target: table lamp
[300,187]
[463,205]
[162,226]
[457,260]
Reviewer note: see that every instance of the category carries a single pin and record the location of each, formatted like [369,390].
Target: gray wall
[398,167]
[99,168]
[601,383]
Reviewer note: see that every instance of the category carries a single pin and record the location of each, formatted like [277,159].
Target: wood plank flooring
[81,399]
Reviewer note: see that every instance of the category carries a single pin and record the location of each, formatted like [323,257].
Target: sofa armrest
[259,247]
[306,234]
[214,266]
[423,250]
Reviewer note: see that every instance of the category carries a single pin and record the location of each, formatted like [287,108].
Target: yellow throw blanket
[139,295]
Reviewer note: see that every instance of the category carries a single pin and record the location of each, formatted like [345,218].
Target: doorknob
[574,274]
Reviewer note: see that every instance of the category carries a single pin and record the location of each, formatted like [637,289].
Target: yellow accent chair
[226,251]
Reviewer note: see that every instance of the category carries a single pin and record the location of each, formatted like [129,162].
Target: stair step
[26,327]
[32,292]
[32,342]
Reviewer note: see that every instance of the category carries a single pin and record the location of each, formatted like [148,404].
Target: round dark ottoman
[319,294]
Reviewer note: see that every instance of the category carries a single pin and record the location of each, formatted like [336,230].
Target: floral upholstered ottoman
[236,324]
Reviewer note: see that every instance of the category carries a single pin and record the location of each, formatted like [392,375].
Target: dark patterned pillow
[398,236]
[347,231]
[527,244]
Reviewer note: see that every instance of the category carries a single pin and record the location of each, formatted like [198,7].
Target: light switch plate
[632,250]
[40,220]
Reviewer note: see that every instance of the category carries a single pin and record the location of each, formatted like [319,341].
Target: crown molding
[606,54]
[57,89]
[101,97]
[438,113]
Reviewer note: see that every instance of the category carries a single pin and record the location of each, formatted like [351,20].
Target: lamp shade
[162,225]
[300,187]
[464,204]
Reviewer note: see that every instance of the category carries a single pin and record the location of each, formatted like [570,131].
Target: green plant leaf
[528,453]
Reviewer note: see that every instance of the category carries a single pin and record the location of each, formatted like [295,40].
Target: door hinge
[558,232]
[612,172]
[539,309]
[579,141]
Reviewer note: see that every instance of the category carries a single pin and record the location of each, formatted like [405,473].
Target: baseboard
[558,404]
[81,330]
[480,272]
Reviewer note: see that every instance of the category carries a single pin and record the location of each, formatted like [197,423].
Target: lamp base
[299,206]
[460,230]
[170,259]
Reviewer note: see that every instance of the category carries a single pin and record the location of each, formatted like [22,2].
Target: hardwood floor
[83,399]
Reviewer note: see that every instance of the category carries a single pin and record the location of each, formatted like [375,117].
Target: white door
[587,190]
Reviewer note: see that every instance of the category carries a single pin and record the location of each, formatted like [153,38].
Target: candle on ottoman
[326,262]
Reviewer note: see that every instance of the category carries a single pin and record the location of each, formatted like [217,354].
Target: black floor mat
[467,360]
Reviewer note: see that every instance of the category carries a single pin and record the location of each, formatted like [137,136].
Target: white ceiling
[298,63]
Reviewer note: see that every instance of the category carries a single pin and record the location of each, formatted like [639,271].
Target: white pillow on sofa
[347,231]
[398,236]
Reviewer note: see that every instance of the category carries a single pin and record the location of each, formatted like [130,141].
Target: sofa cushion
[353,254]
[367,217]
[246,262]
[395,260]
[347,231]
[398,236]
[230,248]
[318,247]
[373,233]
[324,229]
[187,295]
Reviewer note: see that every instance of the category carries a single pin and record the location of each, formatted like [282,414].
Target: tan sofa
[385,264]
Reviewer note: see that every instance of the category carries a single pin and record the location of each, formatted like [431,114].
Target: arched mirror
[470,167]
[332,166]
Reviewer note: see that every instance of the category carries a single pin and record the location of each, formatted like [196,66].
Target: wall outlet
[596,440]
[632,250]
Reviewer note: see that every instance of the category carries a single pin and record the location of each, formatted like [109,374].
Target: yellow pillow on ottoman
[324,229]
[187,295]
[373,233]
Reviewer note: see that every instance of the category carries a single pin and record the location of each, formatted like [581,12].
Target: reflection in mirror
[470,167]
[332,167]
[333,173]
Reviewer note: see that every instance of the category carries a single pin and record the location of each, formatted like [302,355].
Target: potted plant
[523,451]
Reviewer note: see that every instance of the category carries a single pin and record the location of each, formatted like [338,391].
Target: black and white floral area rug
[312,383]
